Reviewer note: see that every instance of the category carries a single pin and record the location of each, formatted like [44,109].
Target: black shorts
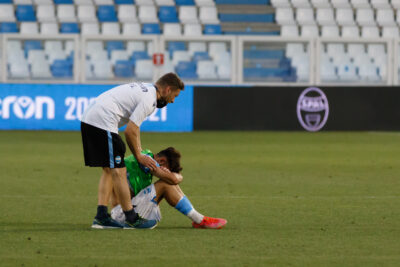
[102,148]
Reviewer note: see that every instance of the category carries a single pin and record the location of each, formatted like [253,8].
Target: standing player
[147,196]
[127,104]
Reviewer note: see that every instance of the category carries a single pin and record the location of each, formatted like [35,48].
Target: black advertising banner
[297,108]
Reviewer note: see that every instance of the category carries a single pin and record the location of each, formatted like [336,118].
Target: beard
[161,102]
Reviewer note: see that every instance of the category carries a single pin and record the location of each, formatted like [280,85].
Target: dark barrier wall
[296,108]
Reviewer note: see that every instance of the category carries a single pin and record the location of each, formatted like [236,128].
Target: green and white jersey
[137,178]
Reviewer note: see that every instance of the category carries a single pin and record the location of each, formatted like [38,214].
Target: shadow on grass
[16,227]
[42,227]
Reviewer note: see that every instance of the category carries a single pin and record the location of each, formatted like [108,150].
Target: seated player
[147,196]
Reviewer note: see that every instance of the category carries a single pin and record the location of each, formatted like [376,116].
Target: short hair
[173,157]
[171,79]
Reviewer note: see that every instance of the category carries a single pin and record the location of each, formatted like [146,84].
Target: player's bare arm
[132,135]
[169,177]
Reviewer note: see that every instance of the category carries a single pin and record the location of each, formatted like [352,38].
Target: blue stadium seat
[114,45]
[123,69]
[212,29]
[262,73]
[168,14]
[186,69]
[25,13]
[64,2]
[6,1]
[61,68]
[246,17]
[69,27]
[285,63]
[184,2]
[107,13]
[70,57]
[176,46]
[32,45]
[8,27]
[151,28]
[201,56]
[136,55]
[124,2]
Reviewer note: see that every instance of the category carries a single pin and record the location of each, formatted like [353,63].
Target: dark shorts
[102,148]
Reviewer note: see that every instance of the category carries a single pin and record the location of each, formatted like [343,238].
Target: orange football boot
[210,223]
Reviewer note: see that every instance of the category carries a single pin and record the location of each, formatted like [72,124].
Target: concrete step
[255,27]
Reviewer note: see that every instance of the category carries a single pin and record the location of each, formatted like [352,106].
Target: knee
[169,187]
[161,186]
[117,174]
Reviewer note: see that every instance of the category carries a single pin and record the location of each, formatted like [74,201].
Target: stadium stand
[348,19]
[276,62]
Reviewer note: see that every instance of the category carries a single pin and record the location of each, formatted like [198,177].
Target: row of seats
[192,60]
[126,15]
[104,69]
[261,63]
[112,2]
[342,17]
[108,13]
[195,60]
[143,69]
[110,28]
[335,31]
[36,59]
[348,72]
[354,62]
[118,59]
[337,3]
[198,59]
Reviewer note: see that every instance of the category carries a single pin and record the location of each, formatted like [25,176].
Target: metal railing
[5,78]
[236,47]
[84,61]
[387,43]
[242,40]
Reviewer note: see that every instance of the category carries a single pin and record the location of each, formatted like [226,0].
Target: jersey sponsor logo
[24,107]
[312,109]
[118,159]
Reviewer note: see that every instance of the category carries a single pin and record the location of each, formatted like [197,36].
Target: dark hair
[171,79]
[173,157]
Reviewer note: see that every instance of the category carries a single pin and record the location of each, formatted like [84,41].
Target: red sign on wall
[158,59]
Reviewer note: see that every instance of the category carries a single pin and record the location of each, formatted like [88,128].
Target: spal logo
[24,107]
[312,109]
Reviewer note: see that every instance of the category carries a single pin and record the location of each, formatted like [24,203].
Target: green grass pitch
[291,199]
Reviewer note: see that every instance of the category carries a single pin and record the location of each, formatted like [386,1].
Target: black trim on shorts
[102,148]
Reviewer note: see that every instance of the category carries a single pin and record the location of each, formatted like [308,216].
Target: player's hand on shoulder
[147,162]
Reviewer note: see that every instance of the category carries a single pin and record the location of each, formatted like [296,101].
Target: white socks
[195,216]
[186,208]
